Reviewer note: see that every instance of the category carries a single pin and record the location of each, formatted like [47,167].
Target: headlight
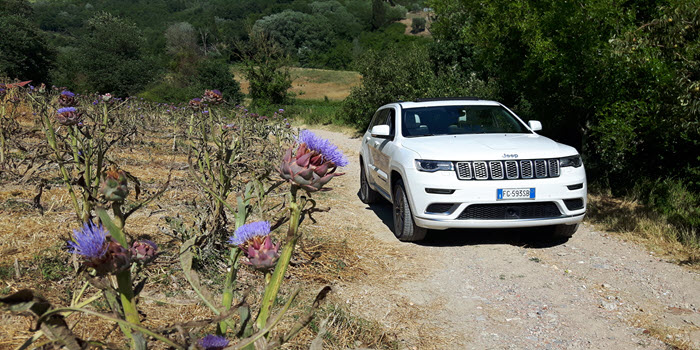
[574,161]
[433,165]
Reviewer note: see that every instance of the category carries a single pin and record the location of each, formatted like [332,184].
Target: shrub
[412,76]
[417,25]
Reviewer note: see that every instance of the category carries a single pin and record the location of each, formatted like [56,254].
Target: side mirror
[381,131]
[535,125]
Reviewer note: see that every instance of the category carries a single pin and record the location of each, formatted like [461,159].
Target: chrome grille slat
[540,168]
[554,167]
[496,168]
[464,170]
[526,169]
[508,169]
[480,171]
[512,169]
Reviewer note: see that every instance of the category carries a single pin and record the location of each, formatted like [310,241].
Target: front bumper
[550,192]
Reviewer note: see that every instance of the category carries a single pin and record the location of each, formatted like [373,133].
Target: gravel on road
[508,289]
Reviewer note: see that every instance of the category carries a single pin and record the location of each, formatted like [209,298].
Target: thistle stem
[118,215]
[275,282]
[126,294]
[51,138]
[227,298]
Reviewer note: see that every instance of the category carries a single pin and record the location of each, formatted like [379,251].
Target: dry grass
[639,224]
[674,338]
[315,84]
[36,242]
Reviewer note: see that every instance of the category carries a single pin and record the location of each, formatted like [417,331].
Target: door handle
[376,143]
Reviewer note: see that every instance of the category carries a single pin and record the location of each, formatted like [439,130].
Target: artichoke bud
[261,253]
[212,97]
[115,260]
[195,102]
[68,116]
[307,168]
[143,251]
[114,186]
[67,99]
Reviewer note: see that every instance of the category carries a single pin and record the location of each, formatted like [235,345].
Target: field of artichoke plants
[130,224]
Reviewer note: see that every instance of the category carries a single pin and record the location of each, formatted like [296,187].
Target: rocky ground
[509,289]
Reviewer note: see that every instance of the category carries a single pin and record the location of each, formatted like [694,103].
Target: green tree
[619,80]
[216,74]
[266,68]
[24,52]
[294,30]
[109,58]
[389,80]
[378,14]
[417,25]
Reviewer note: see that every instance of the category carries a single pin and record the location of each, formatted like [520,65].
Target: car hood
[486,147]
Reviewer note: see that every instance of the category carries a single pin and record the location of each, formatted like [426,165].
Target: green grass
[321,76]
[314,111]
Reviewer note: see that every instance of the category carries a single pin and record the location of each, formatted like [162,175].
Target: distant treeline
[172,49]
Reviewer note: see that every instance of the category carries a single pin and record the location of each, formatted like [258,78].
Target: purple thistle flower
[66,109]
[249,231]
[89,242]
[324,147]
[67,93]
[213,342]
[281,110]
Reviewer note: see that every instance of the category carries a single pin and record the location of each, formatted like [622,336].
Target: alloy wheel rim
[363,184]
[398,212]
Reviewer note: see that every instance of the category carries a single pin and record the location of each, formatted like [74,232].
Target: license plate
[515,193]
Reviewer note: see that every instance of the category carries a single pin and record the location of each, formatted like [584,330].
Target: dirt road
[508,289]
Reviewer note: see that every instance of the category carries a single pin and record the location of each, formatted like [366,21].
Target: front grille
[574,204]
[509,169]
[439,208]
[504,211]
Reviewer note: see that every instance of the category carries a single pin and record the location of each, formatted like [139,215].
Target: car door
[369,140]
[374,161]
[382,150]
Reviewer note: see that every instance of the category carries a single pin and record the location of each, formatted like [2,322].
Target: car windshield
[458,120]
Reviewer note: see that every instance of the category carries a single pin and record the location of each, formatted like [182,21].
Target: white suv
[469,163]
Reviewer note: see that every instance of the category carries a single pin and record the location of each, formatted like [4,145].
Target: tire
[405,228]
[367,194]
[564,231]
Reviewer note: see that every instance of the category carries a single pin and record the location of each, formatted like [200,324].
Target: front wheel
[405,228]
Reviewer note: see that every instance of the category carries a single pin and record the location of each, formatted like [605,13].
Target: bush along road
[508,289]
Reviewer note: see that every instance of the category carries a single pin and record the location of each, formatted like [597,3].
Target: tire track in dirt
[508,289]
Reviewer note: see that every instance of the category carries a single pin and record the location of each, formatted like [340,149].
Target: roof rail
[468,98]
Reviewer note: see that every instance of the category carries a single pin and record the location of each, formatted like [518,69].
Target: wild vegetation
[617,80]
[249,189]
